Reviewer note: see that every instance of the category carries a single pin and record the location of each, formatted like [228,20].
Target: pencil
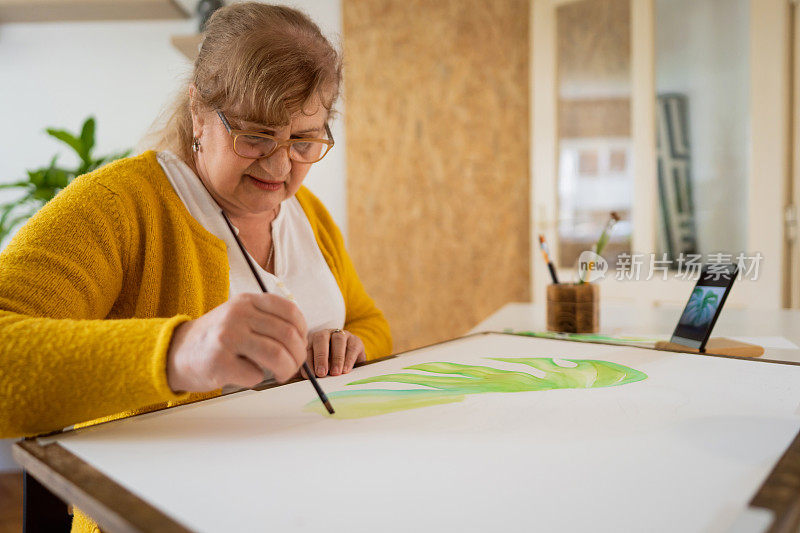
[288,295]
[543,246]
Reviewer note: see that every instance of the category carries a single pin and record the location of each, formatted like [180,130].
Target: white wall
[702,51]
[57,74]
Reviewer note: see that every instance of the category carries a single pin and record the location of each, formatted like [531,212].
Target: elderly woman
[129,290]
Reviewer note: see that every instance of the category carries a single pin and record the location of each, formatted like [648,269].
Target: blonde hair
[265,62]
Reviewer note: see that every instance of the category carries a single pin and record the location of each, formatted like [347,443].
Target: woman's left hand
[334,352]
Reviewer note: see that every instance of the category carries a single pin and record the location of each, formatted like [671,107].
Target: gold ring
[337,330]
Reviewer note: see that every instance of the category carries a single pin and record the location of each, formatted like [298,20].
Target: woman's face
[243,186]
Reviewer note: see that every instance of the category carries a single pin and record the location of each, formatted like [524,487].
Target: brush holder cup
[573,307]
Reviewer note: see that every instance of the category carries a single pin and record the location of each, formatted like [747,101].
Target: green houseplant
[42,184]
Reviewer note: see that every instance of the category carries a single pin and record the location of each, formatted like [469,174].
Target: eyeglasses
[254,145]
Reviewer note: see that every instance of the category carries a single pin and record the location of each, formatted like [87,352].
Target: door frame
[792,212]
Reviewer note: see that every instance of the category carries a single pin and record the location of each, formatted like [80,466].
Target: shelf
[188,45]
[89,10]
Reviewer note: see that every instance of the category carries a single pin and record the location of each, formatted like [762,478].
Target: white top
[299,264]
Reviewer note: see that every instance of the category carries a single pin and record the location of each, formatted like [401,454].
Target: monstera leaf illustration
[701,306]
[451,382]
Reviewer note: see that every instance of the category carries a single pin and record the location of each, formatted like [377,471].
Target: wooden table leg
[42,511]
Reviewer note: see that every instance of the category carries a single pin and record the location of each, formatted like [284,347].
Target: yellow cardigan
[92,287]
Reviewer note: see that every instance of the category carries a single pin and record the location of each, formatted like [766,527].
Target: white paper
[781,343]
[683,450]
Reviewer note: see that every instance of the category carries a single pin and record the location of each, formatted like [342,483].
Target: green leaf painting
[586,337]
[451,382]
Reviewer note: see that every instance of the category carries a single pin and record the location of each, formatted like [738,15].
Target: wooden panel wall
[437,120]
[595,117]
[594,45]
[594,68]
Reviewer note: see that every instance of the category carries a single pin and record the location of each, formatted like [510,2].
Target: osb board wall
[594,47]
[594,78]
[437,99]
[594,86]
[594,117]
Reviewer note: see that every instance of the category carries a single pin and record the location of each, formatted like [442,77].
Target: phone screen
[704,305]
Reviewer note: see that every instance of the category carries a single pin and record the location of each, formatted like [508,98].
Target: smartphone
[704,305]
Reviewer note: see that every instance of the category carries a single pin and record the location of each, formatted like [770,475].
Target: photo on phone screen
[704,305]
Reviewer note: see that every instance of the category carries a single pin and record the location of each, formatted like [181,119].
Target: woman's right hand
[232,343]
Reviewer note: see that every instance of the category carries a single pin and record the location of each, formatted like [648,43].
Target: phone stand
[716,346]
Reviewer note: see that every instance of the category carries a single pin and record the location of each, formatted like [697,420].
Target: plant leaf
[87,137]
[15,185]
[68,139]
[46,182]
[84,168]
[7,226]
[56,178]
[44,194]
[36,177]
[28,199]
[17,220]
[6,210]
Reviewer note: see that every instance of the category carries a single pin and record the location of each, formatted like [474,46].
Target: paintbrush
[288,295]
[601,243]
[606,235]
[546,254]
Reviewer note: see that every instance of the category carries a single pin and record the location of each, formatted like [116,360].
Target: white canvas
[682,450]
